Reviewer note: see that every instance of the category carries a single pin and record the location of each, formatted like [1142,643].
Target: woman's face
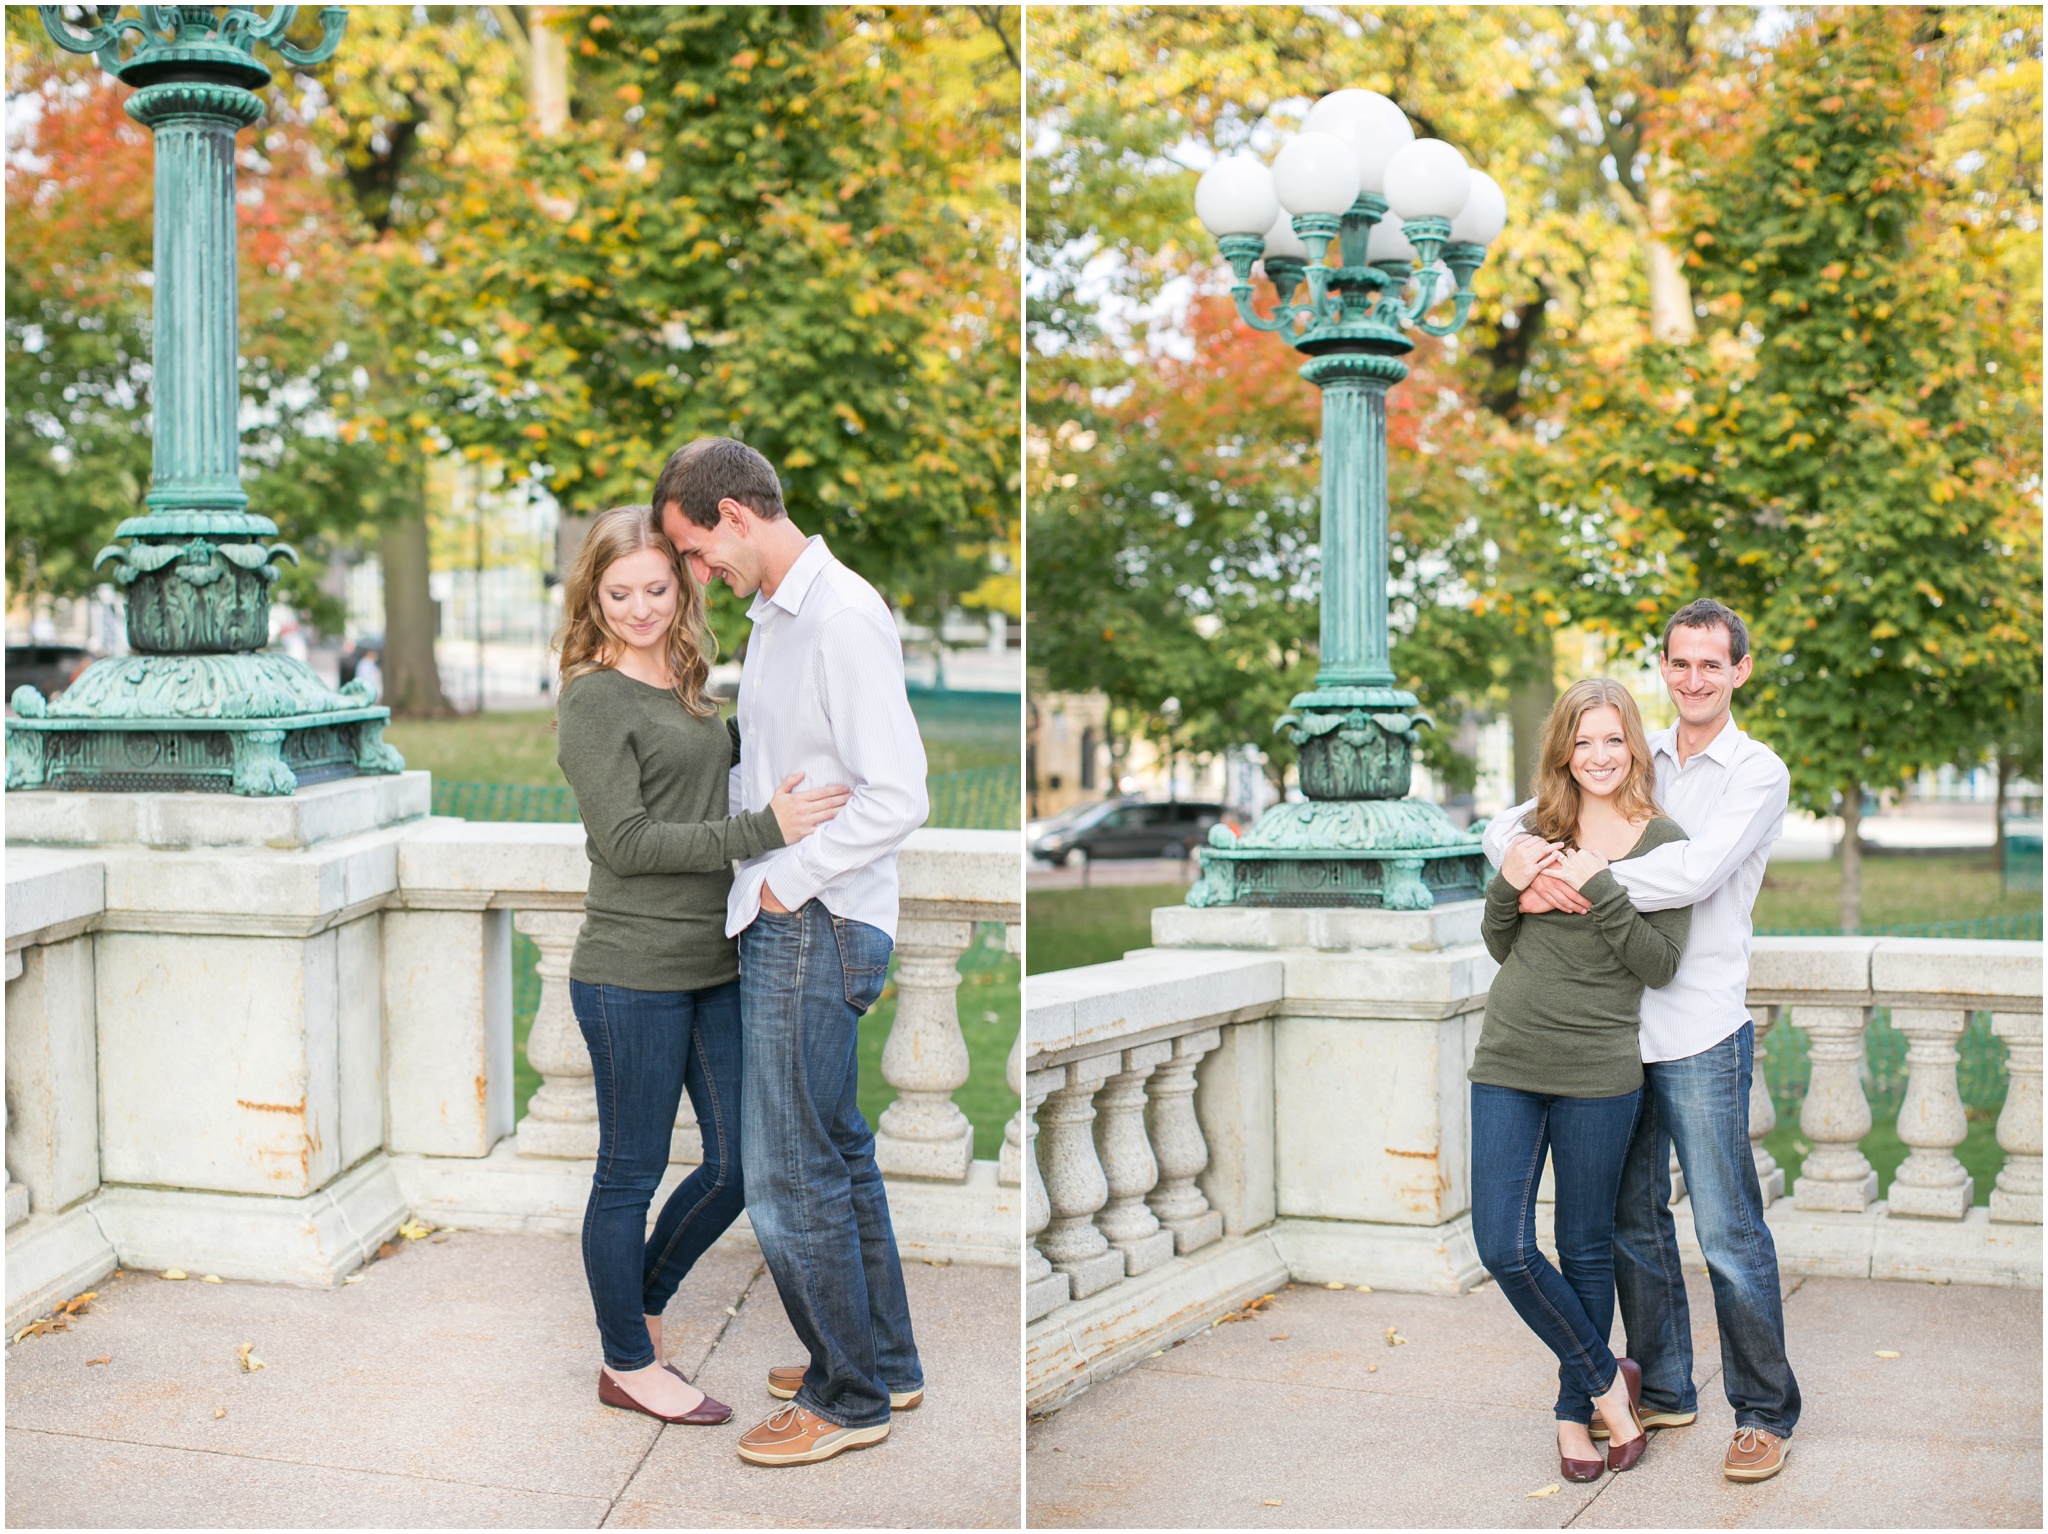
[638,597]
[1600,758]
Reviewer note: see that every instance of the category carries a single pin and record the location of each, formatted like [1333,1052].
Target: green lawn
[1979,1152]
[1064,929]
[989,1014]
[1896,889]
[959,731]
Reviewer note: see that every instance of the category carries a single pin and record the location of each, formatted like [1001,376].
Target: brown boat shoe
[794,1436]
[785,1380]
[1754,1454]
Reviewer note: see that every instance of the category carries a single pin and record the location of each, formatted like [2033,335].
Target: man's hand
[1579,865]
[1547,892]
[770,903]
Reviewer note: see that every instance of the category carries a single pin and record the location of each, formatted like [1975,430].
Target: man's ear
[1743,668]
[735,516]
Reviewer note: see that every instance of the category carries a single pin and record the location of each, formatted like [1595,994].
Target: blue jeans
[815,1195]
[646,1047]
[1701,1105]
[1588,1138]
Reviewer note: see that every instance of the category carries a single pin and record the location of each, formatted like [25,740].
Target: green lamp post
[199,705]
[1401,215]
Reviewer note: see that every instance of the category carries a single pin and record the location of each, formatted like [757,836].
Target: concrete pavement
[455,1386]
[1307,1416]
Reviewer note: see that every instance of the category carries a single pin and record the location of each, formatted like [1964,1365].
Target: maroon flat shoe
[1624,1456]
[1581,1469]
[706,1413]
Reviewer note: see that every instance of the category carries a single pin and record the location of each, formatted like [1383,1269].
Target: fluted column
[562,1118]
[17,1195]
[1836,1115]
[1075,1187]
[923,1133]
[1763,1114]
[1931,1182]
[1010,1160]
[1178,1146]
[2017,1197]
[1044,1290]
[1128,1166]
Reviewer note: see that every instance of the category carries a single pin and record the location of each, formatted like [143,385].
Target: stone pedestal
[1371,1145]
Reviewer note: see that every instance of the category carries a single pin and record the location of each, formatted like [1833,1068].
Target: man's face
[1699,675]
[724,552]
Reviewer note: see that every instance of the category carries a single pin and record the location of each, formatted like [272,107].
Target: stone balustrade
[1193,1112]
[248,1036]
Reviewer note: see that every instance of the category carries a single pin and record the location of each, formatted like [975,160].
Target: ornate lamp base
[259,724]
[1390,854]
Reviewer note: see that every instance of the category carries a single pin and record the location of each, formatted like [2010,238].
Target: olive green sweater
[650,780]
[1564,1012]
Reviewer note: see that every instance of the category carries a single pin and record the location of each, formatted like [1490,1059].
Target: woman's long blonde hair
[1556,818]
[587,645]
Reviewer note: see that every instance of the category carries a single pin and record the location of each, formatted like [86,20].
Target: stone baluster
[562,1118]
[1763,1114]
[1128,1166]
[17,1195]
[1178,1146]
[1931,1182]
[1836,1115]
[1044,1290]
[923,1133]
[1074,1184]
[1010,1160]
[2017,1197]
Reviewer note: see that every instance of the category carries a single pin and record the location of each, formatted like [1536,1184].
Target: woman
[655,981]
[1558,1064]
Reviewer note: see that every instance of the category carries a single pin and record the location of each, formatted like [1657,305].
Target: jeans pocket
[863,961]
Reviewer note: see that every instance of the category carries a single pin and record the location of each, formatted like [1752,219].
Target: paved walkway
[455,1386]
[1307,1417]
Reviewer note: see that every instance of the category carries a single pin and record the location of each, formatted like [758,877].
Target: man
[1729,793]
[821,694]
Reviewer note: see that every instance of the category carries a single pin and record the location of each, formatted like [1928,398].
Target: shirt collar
[1722,748]
[797,582]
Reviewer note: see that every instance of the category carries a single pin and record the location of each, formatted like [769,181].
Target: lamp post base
[1372,854]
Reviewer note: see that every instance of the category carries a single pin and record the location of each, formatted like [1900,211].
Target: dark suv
[1129,828]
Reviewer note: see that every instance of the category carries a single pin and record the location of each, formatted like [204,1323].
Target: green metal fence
[980,799]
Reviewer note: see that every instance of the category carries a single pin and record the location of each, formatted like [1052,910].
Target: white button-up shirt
[822,694]
[1730,801]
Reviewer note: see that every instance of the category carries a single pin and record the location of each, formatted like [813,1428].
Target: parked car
[1128,828]
[48,668]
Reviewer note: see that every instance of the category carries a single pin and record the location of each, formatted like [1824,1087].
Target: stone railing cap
[47,889]
[1152,989]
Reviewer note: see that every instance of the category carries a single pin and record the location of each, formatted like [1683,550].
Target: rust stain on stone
[1428,1155]
[298,1108]
[483,1088]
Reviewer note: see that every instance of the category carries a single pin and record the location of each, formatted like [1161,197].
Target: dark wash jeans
[814,1192]
[1588,1139]
[1701,1105]
[646,1048]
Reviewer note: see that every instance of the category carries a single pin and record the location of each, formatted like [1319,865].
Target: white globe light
[1282,242]
[1485,212]
[1428,179]
[1235,196]
[1388,241]
[1316,173]
[1371,125]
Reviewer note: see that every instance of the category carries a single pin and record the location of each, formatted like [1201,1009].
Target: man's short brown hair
[700,474]
[1706,613]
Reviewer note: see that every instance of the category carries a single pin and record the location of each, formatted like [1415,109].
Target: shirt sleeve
[601,760]
[1502,923]
[1748,818]
[1503,829]
[1649,946]
[874,735]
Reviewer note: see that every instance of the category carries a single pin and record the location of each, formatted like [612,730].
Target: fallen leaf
[1801,1146]
[730,1311]
[1884,1353]
[42,1326]
[938,1262]
[387,1250]
[1365,1288]
[1544,1491]
[1272,1502]
[1372,1368]
[219,1412]
[209,1278]
[77,1303]
[1282,1337]
[1333,1284]
[1155,1353]
[1395,1339]
[353,1278]
[104,1358]
[413,1230]
[174,1273]
[245,1356]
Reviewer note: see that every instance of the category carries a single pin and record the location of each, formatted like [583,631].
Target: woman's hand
[799,814]
[1527,857]
[1579,865]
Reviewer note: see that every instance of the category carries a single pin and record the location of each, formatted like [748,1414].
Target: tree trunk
[1529,708]
[1852,860]
[412,679]
[548,77]
[1998,816]
[1671,316]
